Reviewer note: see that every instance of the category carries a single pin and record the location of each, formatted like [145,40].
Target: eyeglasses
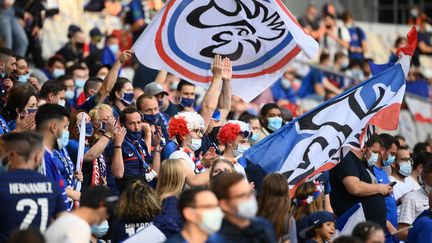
[199,132]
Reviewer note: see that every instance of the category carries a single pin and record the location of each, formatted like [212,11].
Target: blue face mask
[23,78]
[151,119]
[63,140]
[69,94]
[372,159]
[133,136]
[405,168]
[274,123]
[31,110]
[186,102]
[254,137]
[103,126]
[79,83]
[160,103]
[127,98]
[114,48]
[58,72]
[389,160]
[240,149]
[100,230]
[89,129]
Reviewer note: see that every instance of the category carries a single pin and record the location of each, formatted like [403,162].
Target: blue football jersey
[27,200]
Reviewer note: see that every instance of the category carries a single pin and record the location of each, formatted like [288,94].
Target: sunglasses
[246,134]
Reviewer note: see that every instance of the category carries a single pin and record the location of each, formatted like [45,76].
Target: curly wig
[177,126]
[228,133]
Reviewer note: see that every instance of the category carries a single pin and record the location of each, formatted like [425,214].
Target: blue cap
[95,32]
[313,220]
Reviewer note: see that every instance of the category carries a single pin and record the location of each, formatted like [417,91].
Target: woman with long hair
[138,208]
[220,166]
[274,204]
[171,182]
[308,199]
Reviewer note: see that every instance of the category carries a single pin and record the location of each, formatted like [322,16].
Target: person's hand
[157,137]
[74,195]
[119,137]
[217,67]
[79,176]
[209,157]
[226,69]
[391,229]
[25,123]
[146,128]
[384,189]
[34,82]
[111,127]
[36,32]
[7,83]
[125,55]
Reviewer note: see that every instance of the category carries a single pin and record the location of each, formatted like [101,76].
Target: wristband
[117,147]
[107,136]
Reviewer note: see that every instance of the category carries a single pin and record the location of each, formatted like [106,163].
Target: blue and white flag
[348,220]
[259,36]
[313,142]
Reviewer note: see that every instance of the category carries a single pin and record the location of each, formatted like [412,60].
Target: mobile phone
[392,184]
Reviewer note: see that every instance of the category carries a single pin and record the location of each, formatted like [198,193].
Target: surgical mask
[79,83]
[114,48]
[186,102]
[58,72]
[88,129]
[274,123]
[61,102]
[4,165]
[151,119]
[195,144]
[102,77]
[63,140]
[372,159]
[254,137]
[345,64]
[69,94]
[389,160]
[240,149]
[100,230]
[405,168]
[103,126]
[286,84]
[24,78]
[127,97]
[134,136]
[31,110]
[247,209]
[211,220]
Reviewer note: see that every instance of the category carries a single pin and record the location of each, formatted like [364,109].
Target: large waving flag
[313,142]
[259,36]
[348,220]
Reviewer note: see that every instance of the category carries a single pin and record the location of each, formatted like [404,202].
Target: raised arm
[210,100]
[224,103]
[117,168]
[111,77]
[99,147]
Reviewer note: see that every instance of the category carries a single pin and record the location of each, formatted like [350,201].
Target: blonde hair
[171,178]
[94,113]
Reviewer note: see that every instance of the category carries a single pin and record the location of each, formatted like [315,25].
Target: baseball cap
[154,88]
[313,220]
[95,32]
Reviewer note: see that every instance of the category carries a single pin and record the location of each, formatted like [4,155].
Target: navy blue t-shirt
[315,76]
[357,37]
[27,199]
[422,228]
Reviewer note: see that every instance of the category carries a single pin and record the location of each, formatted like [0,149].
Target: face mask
[405,168]
[286,84]
[134,136]
[100,230]
[69,94]
[61,102]
[63,140]
[23,78]
[31,110]
[211,220]
[185,102]
[58,72]
[127,98]
[274,123]
[254,137]
[389,160]
[88,129]
[79,83]
[151,119]
[248,209]
[345,64]
[195,144]
[372,159]
[114,48]
[79,45]
[102,77]
[240,149]
[103,126]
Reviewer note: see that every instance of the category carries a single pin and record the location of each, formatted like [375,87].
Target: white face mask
[195,144]
[211,220]
[61,102]
[247,209]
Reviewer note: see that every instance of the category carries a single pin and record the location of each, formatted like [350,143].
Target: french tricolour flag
[347,221]
[317,140]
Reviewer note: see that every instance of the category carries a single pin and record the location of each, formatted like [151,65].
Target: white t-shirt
[180,154]
[331,45]
[413,204]
[401,188]
[412,183]
[68,228]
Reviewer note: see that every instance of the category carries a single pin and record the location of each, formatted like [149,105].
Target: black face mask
[79,45]
[213,134]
